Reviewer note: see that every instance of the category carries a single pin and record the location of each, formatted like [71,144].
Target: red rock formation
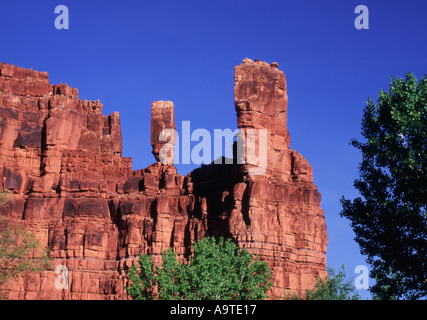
[61,160]
[276,214]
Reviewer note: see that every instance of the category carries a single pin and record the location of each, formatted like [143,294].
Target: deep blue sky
[130,53]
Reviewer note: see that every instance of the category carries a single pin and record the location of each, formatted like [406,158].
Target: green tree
[218,270]
[4,198]
[18,250]
[332,287]
[389,220]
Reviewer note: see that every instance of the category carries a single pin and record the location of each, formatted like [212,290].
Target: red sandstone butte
[61,159]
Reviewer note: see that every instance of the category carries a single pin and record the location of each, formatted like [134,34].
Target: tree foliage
[4,198]
[19,250]
[332,287]
[219,270]
[389,220]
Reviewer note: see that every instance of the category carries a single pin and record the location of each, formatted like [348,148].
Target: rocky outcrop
[60,157]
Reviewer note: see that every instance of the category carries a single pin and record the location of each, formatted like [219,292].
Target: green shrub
[219,270]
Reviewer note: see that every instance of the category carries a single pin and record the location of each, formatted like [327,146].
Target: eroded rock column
[162,131]
[277,212]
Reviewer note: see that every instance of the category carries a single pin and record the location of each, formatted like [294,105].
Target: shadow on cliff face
[214,185]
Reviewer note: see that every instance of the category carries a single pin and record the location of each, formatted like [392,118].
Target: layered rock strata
[61,159]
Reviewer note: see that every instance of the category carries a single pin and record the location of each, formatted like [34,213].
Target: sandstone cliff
[61,159]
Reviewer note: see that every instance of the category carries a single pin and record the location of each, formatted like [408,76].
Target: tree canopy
[218,270]
[334,286]
[389,219]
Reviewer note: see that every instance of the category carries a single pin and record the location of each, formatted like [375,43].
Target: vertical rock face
[60,157]
[61,160]
[285,222]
